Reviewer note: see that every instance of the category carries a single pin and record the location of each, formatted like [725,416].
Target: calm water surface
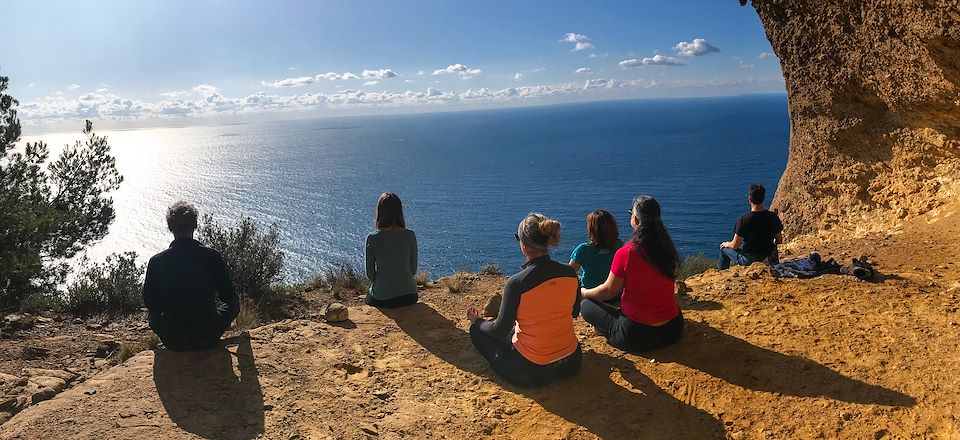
[466,178]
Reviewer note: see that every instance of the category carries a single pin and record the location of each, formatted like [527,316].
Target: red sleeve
[619,265]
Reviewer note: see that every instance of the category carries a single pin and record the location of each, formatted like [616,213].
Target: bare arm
[733,243]
[608,290]
[574,265]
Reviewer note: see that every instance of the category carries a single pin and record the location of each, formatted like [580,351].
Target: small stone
[18,321]
[370,429]
[94,326]
[846,415]
[106,348]
[66,376]
[42,394]
[510,410]
[778,309]
[383,394]
[492,308]
[90,392]
[680,288]
[77,321]
[335,312]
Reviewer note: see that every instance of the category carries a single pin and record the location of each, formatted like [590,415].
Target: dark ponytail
[651,237]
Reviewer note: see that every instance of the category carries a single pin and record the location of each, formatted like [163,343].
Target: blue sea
[466,178]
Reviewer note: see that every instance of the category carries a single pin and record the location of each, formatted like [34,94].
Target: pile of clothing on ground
[814,266]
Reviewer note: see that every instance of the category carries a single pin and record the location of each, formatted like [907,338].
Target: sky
[165,62]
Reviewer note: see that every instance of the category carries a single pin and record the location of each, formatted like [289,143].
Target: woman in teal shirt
[592,259]
[391,253]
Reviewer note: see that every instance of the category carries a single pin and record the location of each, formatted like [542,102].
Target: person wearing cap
[644,269]
[532,342]
[187,290]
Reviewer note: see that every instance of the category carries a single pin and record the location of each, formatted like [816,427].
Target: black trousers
[191,334]
[623,333]
[509,364]
[392,303]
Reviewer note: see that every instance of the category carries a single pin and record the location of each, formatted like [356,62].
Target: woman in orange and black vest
[532,342]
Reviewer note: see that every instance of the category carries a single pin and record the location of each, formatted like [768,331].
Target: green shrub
[345,281]
[114,287]
[694,265]
[422,278]
[50,210]
[252,253]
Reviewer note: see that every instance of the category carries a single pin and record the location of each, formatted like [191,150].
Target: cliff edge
[874,100]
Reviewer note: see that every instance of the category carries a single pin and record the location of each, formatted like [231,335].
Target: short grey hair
[182,217]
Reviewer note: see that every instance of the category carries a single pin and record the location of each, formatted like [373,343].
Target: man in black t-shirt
[187,290]
[756,234]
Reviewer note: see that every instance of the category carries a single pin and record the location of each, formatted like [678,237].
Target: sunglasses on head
[517,236]
[630,211]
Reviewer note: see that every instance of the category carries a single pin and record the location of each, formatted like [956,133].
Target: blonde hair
[541,229]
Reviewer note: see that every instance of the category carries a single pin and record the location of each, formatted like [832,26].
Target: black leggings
[509,364]
[623,333]
[392,303]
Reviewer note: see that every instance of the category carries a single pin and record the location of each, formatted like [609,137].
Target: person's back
[759,230]
[392,255]
[755,235]
[546,292]
[187,289]
[592,258]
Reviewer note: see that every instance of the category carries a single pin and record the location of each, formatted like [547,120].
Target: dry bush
[490,269]
[248,318]
[455,283]
[128,350]
[422,278]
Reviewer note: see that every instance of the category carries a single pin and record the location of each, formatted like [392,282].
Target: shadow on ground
[743,364]
[610,397]
[203,395]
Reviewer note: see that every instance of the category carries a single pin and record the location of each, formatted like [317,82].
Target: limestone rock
[67,376]
[874,103]
[335,312]
[17,321]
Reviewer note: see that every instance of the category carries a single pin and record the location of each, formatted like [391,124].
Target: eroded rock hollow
[874,97]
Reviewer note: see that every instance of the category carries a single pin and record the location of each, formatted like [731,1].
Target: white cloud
[31,85]
[291,82]
[73,87]
[103,90]
[371,83]
[583,70]
[408,81]
[106,105]
[656,60]
[580,41]
[59,93]
[599,55]
[205,89]
[741,64]
[766,55]
[419,73]
[378,74]
[291,68]
[517,75]
[695,48]
[458,69]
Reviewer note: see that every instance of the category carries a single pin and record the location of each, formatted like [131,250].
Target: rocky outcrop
[874,96]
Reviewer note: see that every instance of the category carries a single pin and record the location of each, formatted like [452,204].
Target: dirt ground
[831,357]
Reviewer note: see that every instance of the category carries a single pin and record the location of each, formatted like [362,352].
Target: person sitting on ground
[391,254]
[187,290]
[532,342]
[592,258]
[644,269]
[756,234]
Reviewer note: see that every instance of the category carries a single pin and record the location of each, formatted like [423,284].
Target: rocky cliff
[874,92]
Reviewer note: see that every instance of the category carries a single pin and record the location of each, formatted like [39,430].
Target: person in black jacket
[755,236]
[187,290]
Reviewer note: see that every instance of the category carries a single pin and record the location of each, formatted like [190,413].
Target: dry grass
[128,350]
[455,283]
[422,278]
[248,318]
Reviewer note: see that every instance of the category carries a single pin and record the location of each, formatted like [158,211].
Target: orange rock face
[874,93]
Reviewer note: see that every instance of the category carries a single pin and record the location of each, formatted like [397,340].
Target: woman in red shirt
[644,269]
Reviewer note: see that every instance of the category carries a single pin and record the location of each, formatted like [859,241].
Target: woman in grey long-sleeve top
[391,253]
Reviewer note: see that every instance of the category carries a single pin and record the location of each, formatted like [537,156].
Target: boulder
[61,374]
[18,321]
[492,308]
[335,312]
